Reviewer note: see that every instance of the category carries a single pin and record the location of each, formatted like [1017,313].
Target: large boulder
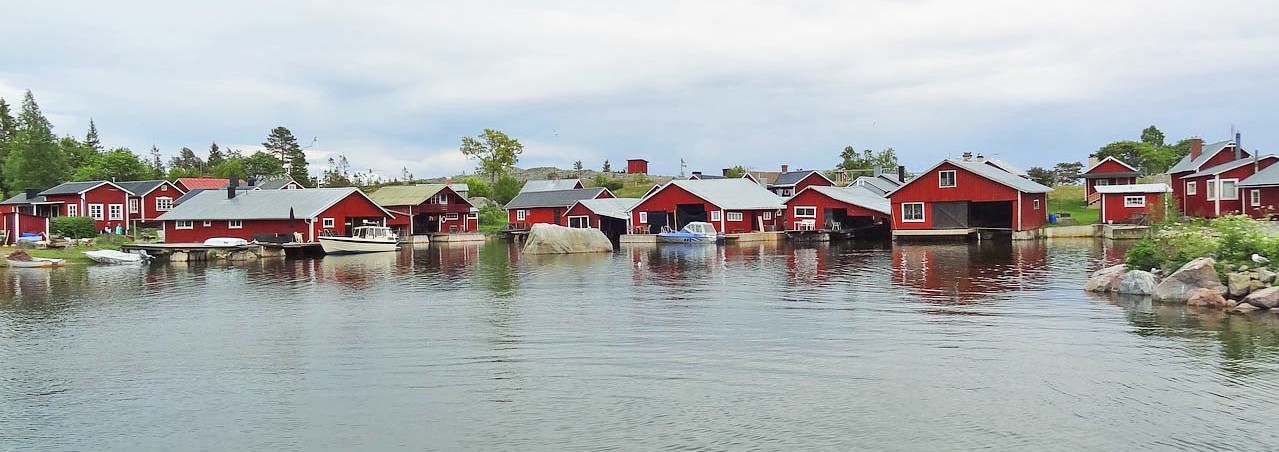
[1197,274]
[1265,275]
[1106,279]
[1207,298]
[1267,298]
[1137,282]
[555,239]
[1237,284]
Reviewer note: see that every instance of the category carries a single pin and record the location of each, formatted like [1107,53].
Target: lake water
[752,347]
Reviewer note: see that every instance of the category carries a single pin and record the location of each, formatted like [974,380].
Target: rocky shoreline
[1198,283]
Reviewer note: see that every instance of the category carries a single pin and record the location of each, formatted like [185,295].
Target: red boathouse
[427,209]
[1133,203]
[957,197]
[731,205]
[302,214]
[836,209]
[533,207]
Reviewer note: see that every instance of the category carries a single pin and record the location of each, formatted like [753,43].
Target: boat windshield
[699,228]
[370,232]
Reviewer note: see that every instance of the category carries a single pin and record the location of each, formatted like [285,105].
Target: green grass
[73,255]
[1070,199]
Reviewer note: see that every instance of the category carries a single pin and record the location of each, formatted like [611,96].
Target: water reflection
[969,272]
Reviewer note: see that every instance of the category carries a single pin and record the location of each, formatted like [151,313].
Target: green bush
[606,182]
[1144,255]
[74,227]
[506,189]
[492,216]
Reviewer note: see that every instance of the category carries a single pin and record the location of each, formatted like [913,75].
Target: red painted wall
[147,206]
[1198,205]
[812,179]
[636,166]
[353,206]
[968,187]
[17,223]
[546,214]
[1269,201]
[106,195]
[455,201]
[579,210]
[1179,186]
[1113,210]
[1109,166]
[666,199]
[822,203]
[1032,217]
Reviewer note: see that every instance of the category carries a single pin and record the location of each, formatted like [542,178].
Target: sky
[396,85]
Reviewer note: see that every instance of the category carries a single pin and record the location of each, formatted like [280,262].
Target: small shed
[637,166]
[1133,203]
[607,214]
[1108,171]
[836,209]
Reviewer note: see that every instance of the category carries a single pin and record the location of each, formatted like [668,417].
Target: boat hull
[688,238]
[349,245]
[35,262]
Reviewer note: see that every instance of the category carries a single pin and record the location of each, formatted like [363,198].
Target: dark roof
[72,188]
[1268,176]
[1209,150]
[274,183]
[554,198]
[792,177]
[705,177]
[21,198]
[140,187]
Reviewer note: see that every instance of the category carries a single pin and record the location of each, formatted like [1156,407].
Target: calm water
[763,347]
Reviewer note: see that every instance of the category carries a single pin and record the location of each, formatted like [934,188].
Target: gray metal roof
[550,185]
[731,194]
[1000,164]
[706,177]
[875,184]
[1218,169]
[72,188]
[1134,188]
[1268,176]
[792,177]
[258,204]
[858,196]
[21,198]
[556,198]
[610,207]
[273,183]
[1187,164]
[140,187]
[989,172]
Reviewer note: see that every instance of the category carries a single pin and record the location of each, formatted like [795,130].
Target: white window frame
[451,216]
[922,215]
[1036,203]
[1234,183]
[584,221]
[716,215]
[327,222]
[235,224]
[1192,188]
[521,214]
[184,224]
[1135,201]
[733,216]
[115,212]
[1254,197]
[208,223]
[941,182]
[135,205]
[768,215]
[164,206]
[1211,186]
[73,210]
[643,217]
[99,216]
[1101,182]
[799,214]
[164,187]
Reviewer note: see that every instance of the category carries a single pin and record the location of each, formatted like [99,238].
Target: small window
[163,203]
[805,212]
[1211,186]
[473,215]
[1036,204]
[913,212]
[1229,189]
[134,205]
[643,217]
[521,214]
[116,212]
[208,223]
[326,223]
[715,215]
[95,211]
[184,224]
[946,179]
[1103,182]
[579,222]
[451,217]
[73,210]
[164,187]
[768,216]
[1134,201]
[734,216]
[1192,188]
[1254,198]
[234,224]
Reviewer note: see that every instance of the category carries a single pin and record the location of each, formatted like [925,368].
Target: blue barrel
[1052,218]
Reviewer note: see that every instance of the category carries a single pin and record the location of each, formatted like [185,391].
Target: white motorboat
[695,232]
[113,257]
[35,262]
[363,239]
[226,242]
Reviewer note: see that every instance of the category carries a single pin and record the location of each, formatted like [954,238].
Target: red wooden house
[1201,156]
[1214,191]
[1108,171]
[637,166]
[731,205]
[148,199]
[530,208]
[105,202]
[819,207]
[427,209]
[609,215]
[303,214]
[1132,203]
[957,195]
[790,183]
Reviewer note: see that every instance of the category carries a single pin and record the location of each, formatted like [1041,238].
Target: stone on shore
[1267,298]
[1265,275]
[1207,298]
[554,239]
[1197,274]
[1237,284]
[1242,308]
[1137,282]
[1106,279]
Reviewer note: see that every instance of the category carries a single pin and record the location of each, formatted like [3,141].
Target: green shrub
[606,182]
[74,227]
[506,189]
[1144,255]
[492,216]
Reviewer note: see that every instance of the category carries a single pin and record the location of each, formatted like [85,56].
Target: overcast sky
[397,84]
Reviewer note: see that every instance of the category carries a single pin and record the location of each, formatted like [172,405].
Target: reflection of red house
[549,207]
[730,205]
[1109,171]
[966,273]
[958,195]
[246,214]
[1132,203]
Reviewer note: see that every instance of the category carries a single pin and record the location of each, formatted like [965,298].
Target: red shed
[16,223]
[1133,203]
[1109,171]
[789,183]
[427,209]
[1261,191]
[533,207]
[609,215]
[637,166]
[731,205]
[103,201]
[1214,191]
[1201,156]
[836,209]
[304,214]
[957,195]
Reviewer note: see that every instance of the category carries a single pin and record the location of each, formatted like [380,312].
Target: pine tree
[157,163]
[607,168]
[283,145]
[8,128]
[91,138]
[34,160]
[215,156]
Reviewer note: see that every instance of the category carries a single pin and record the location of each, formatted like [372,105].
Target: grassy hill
[1070,199]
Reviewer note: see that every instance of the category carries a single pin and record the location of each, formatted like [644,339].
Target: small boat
[113,257]
[695,232]
[35,262]
[363,239]
[226,242]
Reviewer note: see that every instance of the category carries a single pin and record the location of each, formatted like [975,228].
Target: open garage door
[993,215]
[950,215]
[688,213]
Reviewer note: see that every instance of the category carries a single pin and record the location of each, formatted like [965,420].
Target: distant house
[304,214]
[731,205]
[879,185]
[549,207]
[427,209]
[606,214]
[551,185]
[1261,193]
[105,202]
[958,195]
[187,184]
[1132,203]
[819,207]
[1108,171]
[1214,191]
[637,166]
[791,182]
[148,199]
[274,183]
[1201,156]
[25,212]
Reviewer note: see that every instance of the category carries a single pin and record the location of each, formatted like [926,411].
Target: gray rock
[1255,285]
[1242,308]
[555,239]
[1265,298]
[1265,275]
[1137,282]
[1237,284]
[1207,298]
[1106,279]
[1197,274]
[481,202]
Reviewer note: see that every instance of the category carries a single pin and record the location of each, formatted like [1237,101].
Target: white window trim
[1036,203]
[451,216]
[111,212]
[73,210]
[208,223]
[585,218]
[1135,201]
[643,217]
[716,215]
[1101,182]
[1192,188]
[135,205]
[731,215]
[235,224]
[167,205]
[1233,183]
[101,212]
[327,222]
[954,180]
[1254,197]
[1211,186]
[800,215]
[521,214]
[922,215]
[189,224]
[768,215]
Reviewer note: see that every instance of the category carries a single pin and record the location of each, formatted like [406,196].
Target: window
[1134,201]
[768,216]
[1102,182]
[208,223]
[95,211]
[805,212]
[643,217]
[116,211]
[734,216]
[579,222]
[521,214]
[234,224]
[451,216]
[442,198]
[1229,189]
[913,212]
[715,215]
[134,205]
[1254,198]
[1192,188]
[326,223]
[787,192]
[164,187]
[73,210]
[946,179]
[473,215]
[184,224]
[1036,204]
[1211,186]
[163,203]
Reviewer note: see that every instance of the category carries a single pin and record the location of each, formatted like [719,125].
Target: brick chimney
[785,168]
[1196,147]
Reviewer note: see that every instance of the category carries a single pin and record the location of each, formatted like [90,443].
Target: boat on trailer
[695,232]
[363,239]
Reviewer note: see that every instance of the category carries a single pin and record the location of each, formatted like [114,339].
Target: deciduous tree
[496,152]
[262,165]
[1041,175]
[866,160]
[116,164]
[1152,136]
[1068,172]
